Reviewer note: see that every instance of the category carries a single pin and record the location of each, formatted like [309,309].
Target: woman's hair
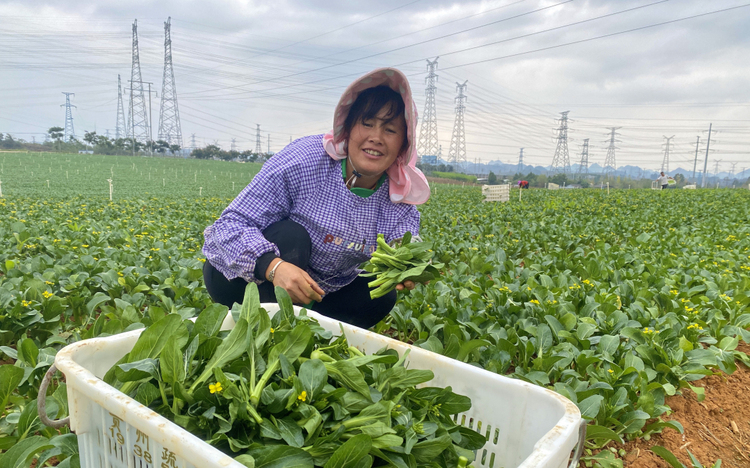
[367,106]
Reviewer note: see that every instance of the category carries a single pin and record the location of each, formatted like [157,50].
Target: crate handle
[579,448]
[41,402]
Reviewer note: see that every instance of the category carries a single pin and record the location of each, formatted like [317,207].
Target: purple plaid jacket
[304,184]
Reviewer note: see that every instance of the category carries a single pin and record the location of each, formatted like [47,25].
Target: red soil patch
[716,428]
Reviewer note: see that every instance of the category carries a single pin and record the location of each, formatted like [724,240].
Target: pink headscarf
[407,183]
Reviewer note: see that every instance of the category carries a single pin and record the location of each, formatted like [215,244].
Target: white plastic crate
[690,187]
[496,192]
[551,186]
[526,425]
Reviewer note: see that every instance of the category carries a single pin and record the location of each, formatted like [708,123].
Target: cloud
[284,64]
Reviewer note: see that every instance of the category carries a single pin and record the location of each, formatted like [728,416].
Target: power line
[604,36]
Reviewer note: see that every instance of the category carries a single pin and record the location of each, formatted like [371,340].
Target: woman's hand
[301,288]
[409,285]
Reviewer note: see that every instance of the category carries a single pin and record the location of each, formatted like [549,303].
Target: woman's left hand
[409,285]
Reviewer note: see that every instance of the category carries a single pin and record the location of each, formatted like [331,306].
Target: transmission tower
[561,160]
[520,162]
[139,124]
[192,141]
[427,144]
[257,139]
[583,168]
[457,151]
[234,145]
[121,129]
[731,173]
[69,131]
[705,161]
[169,115]
[665,161]
[610,165]
[269,144]
[695,162]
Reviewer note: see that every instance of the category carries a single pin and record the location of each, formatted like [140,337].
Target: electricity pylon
[665,161]
[258,150]
[610,165]
[69,130]
[428,134]
[705,161]
[583,168]
[695,162]
[520,162]
[169,115]
[457,151]
[561,159]
[121,128]
[139,124]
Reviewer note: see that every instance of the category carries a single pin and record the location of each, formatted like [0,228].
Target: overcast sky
[284,64]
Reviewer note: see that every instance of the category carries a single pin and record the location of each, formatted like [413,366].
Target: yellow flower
[534,301]
[47,294]
[302,396]
[215,388]
[272,330]
[611,371]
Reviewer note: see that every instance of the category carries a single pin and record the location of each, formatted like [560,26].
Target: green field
[47,175]
[615,301]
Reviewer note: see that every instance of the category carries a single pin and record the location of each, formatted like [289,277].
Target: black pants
[350,304]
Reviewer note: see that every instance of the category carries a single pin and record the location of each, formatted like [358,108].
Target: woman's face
[374,144]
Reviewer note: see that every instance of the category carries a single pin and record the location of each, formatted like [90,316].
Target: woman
[312,214]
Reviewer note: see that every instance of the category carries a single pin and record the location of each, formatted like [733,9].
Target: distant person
[312,214]
[663,180]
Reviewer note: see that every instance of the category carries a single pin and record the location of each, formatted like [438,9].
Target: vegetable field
[615,301]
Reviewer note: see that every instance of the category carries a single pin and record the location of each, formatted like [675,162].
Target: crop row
[613,301]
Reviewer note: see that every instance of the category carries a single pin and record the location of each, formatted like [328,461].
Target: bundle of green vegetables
[280,391]
[411,261]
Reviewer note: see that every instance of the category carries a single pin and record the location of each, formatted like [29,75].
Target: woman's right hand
[301,288]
